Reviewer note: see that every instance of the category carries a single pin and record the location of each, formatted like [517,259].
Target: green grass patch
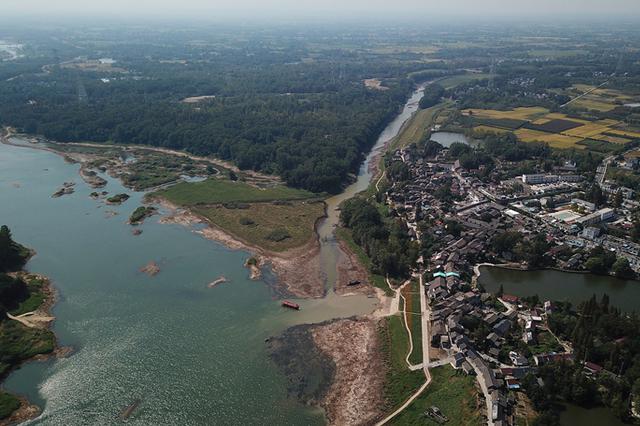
[19,343]
[214,191]
[414,320]
[36,296]
[377,280]
[545,343]
[453,392]
[415,129]
[400,382]
[273,226]
[601,146]
[8,404]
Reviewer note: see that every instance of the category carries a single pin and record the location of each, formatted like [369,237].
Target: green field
[417,126]
[273,226]
[36,296]
[18,343]
[8,404]
[414,320]
[215,191]
[401,382]
[453,392]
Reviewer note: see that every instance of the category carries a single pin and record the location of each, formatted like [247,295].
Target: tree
[432,95]
[12,255]
[622,269]
[618,199]
[399,171]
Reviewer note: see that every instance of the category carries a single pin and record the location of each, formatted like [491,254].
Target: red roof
[510,299]
[593,367]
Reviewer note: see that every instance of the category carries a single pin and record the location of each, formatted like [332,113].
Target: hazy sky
[257,8]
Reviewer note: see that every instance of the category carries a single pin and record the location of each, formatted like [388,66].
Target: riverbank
[298,270]
[25,336]
[335,365]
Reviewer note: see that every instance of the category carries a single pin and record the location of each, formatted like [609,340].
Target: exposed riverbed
[190,354]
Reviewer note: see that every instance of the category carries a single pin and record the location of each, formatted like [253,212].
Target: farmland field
[554,140]
[522,113]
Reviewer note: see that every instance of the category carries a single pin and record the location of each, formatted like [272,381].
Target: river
[328,251]
[191,354]
[562,286]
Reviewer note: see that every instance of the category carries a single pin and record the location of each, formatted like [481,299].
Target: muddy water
[191,354]
[329,250]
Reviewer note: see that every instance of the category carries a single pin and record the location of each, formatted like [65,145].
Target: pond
[562,286]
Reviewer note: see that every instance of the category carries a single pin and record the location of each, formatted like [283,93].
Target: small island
[140,214]
[118,199]
[67,188]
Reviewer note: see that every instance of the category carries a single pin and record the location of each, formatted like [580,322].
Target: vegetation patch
[214,191]
[554,126]
[271,226]
[400,382]
[8,404]
[451,391]
[140,214]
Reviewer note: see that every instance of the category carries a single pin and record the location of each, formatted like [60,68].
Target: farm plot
[521,113]
[554,126]
[554,140]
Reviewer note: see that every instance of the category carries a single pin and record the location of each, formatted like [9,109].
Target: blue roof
[445,275]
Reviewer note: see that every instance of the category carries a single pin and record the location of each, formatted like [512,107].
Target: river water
[326,228]
[191,354]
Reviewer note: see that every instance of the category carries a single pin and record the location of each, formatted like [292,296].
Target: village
[500,338]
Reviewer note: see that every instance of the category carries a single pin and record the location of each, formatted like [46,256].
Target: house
[467,368]
[552,357]
[514,300]
[494,353]
[502,327]
[494,339]
[513,384]
[458,360]
[592,368]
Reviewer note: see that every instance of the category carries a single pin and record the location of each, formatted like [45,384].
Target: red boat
[291,305]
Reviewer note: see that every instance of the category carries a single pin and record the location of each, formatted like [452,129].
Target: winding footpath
[424,307]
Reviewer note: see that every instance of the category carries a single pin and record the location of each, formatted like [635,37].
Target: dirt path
[34,319]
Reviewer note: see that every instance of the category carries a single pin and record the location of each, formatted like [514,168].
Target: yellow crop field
[522,113]
[592,103]
[489,129]
[541,121]
[625,133]
[587,130]
[612,139]
[554,140]
[559,116]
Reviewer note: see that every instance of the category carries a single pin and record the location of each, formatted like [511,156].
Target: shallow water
[192,354]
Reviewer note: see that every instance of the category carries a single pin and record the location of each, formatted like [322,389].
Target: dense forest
[13,256]
[276,107]
[600,334]
[384,239]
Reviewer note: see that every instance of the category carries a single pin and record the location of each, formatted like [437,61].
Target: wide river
[191,354]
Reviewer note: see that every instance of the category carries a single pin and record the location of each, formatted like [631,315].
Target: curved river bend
[191,354]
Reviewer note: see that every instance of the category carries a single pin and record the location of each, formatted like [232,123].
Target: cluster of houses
[482,213]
